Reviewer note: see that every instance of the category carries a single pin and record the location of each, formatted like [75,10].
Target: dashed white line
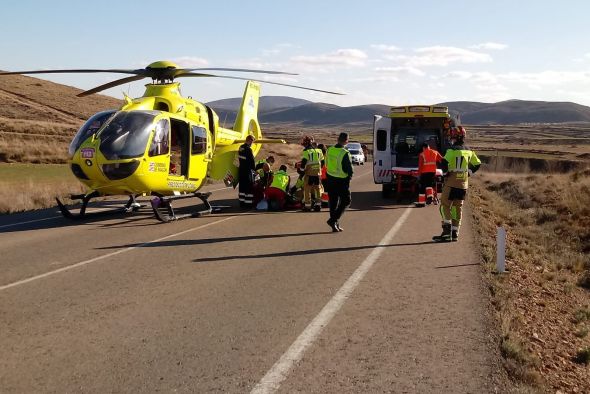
[271,382]
[104,256]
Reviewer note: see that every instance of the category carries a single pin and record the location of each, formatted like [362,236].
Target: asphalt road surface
[243,301]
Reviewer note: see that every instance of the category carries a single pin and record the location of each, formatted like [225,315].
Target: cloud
[440,56]
[381,78]
[481,77]
[385,48]
[547,78]
[401,70]
[190,61]
[443,56]
[277,49]
[340,57]
[489,45]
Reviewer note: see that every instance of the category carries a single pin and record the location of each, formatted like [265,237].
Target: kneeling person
[276,193]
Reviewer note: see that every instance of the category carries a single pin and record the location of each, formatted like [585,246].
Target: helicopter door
[200,153]
[179,147]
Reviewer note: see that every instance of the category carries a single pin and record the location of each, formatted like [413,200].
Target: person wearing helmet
[311,168]
[458,164]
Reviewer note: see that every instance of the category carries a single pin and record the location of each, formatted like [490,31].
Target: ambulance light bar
[398,110]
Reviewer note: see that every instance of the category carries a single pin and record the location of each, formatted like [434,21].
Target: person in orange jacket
[427,161]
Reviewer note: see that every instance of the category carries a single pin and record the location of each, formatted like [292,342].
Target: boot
[338,227]
[332,225]
[454,235]
[445,236]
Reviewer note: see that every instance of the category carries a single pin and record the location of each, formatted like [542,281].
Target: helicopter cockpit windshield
[126,135]
[90,127]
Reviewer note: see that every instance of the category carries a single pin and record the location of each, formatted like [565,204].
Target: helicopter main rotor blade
[140,71]
[112,84]
[258,80]
[244,70]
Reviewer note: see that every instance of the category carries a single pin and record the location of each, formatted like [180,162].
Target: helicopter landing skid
[165,213]
[130,207]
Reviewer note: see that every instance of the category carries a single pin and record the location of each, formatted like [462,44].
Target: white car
[356,153]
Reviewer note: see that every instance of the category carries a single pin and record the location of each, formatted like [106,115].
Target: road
[243,301]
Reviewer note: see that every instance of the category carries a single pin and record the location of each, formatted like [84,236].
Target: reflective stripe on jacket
[313,157]
[427,160]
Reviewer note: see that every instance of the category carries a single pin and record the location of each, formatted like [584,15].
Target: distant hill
[25,99]
[267,103]
[520,111]
[322,114]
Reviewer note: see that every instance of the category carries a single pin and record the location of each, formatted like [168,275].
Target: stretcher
[406,180]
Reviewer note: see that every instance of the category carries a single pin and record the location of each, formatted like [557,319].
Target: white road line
[280,370]
[104,256]
[29,221]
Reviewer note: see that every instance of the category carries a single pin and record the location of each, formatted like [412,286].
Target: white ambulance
[397,142]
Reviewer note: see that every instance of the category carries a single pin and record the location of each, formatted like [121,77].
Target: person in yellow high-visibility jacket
[458,164]
[311,168]
[339,174]
[276,193]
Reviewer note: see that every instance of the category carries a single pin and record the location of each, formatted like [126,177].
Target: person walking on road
[311,167]
[458,164]
[427,172]
[246,173]
[339,174]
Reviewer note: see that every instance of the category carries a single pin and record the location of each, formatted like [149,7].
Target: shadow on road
[457,265]
[205,241]
[304,252]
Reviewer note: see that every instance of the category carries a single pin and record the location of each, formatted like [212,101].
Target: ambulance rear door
[382,152]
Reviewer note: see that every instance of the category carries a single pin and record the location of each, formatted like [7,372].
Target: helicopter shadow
[99,211]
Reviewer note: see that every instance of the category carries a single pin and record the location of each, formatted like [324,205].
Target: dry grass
[31,149]
[547,217]
[29,195]
[287,154]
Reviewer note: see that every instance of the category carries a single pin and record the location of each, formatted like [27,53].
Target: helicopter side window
[199,140]
[159,145]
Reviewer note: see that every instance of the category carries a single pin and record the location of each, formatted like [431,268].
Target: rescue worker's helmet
[307,140]
[458,133]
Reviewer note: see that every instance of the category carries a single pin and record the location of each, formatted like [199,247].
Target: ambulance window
[381,140]
[199,140]
[159,144]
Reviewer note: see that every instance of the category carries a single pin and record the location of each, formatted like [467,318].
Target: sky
[376,52]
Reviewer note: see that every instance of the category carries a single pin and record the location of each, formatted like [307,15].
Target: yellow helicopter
[161,144]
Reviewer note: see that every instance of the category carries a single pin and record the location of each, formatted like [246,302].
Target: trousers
[338,196]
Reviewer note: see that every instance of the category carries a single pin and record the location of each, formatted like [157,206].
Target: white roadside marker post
[501,251]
